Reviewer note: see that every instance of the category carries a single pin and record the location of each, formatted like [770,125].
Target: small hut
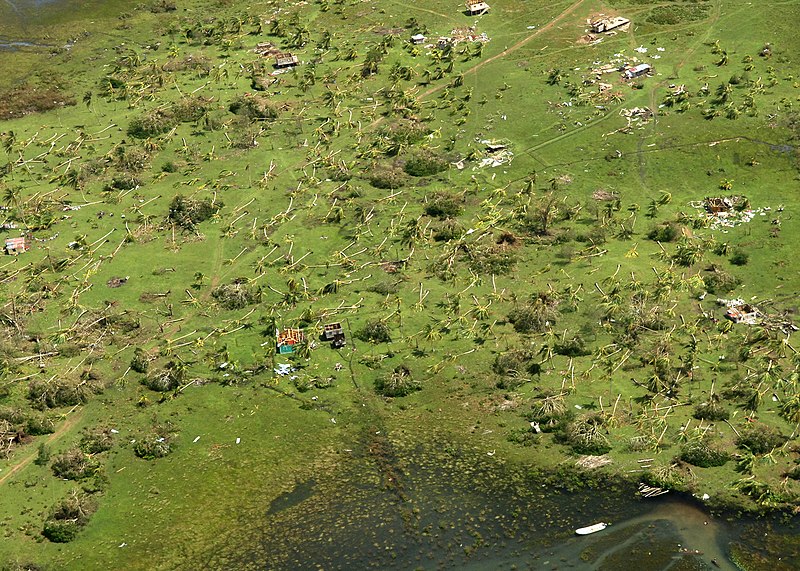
[638,70]
[334,333]
[476,7]
[603,25]
[285,59]
[16,245]
[418,39]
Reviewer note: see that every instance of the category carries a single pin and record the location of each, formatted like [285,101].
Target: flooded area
[459,511]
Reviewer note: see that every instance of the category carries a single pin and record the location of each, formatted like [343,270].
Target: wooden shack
[477,7]
[285,59]
[418,39]
[330,330]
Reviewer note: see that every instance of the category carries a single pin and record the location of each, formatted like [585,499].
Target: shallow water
[461,512]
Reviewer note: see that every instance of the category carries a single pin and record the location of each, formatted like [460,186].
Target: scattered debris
[117,282]
[590,462]
[267,49]
[603,195]
[283,369]
[727,211]
[649,491]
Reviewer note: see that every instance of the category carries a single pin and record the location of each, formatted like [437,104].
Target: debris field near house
[739,311]
[497,154]
[267,49]
[727,211]
[457,36]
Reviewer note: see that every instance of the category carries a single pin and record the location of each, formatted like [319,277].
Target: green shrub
[535,317]
[425,164]
[444,205]
[167,379]
[74,465]
[374,332]
[702,455]
[254,108]
[187,212]
[739,258]
[398,383]
[718,280]
[237,294]
[760,438]
[69,517]
[38,424]
[387,177]
[666,232]
[711,410]
[140,362]
[96,441]
[60,531]
[152,446]
[575,347]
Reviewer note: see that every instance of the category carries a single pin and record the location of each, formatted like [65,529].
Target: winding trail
[65,427]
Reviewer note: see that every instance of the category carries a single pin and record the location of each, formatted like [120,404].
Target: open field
[529,256]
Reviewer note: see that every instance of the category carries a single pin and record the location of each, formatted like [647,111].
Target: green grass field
[508,237]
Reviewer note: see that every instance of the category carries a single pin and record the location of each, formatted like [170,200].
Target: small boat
[592,528]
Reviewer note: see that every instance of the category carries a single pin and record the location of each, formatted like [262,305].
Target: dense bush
[387,177]
[585,435]
[398,383]
[447,230]
[237,294]
[575,347]
[69,517]
[159,121]
[167,379]
[536,316]
[139,363]
[74,465]
[719,281]
[666,232]
[425,164]
[702,455]
[711,410]
[760,438]
[60,392]
[444,205]
[253,107]
[374,332]
[152,446]
[187,212]
[739,258]
[96,441]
